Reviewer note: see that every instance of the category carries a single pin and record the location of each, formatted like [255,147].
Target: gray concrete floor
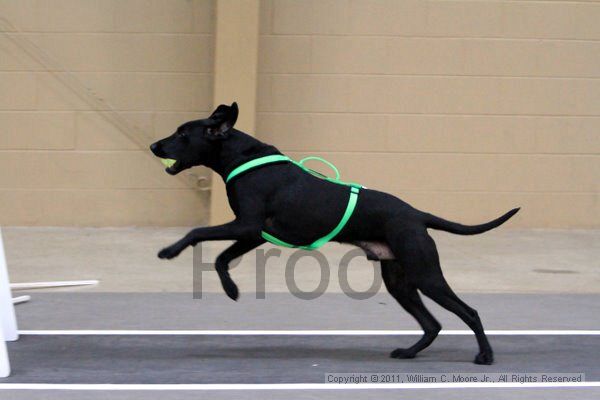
[124,259]
[285,359]
[277,311]
[517,279]
[179,359]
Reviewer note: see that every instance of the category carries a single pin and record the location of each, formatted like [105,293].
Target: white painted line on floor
[85,332]
[291,386]
[49,285]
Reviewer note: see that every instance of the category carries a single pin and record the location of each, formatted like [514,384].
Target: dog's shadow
[291,352]
[320,353]
[94,349]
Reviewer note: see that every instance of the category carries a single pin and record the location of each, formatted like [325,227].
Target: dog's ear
[222,120]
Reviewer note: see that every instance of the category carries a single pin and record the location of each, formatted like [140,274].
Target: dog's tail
[431,221]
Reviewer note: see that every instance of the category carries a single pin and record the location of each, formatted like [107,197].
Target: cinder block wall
[463,108]
[61,162]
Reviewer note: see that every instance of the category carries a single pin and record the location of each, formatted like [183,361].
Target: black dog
[299,208]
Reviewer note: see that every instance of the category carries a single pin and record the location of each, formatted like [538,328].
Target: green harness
[354,189]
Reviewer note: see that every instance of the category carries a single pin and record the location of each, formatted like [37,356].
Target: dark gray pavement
[280,359]
[284,311]
[285,359]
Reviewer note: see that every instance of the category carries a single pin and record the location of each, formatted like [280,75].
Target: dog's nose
[154,147]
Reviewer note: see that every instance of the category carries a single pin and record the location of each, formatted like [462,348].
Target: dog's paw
[484,358]
[168,253]
[231,289]
[403,353]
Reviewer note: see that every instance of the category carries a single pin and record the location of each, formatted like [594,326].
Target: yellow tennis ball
[168,162]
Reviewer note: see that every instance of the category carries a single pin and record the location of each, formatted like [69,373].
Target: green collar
[352,200]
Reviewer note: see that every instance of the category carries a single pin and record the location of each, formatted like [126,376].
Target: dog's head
[197,142]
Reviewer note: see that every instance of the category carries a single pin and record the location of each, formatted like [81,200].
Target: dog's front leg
[234,251]
[234,230]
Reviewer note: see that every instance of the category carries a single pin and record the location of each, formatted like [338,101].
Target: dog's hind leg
[407,296]
[234,251]
[417,253]
[442,294]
